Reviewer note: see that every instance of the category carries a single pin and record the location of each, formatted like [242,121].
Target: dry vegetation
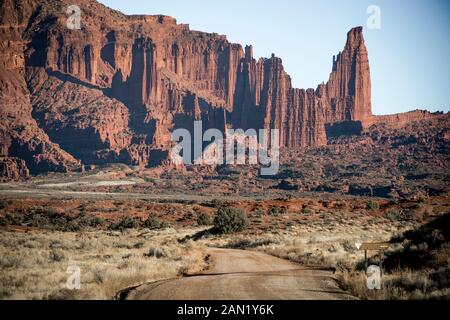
[120,243]
[417,265]
[33,265]
[397,285]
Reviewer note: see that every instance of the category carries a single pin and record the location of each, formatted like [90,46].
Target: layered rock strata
[114,90]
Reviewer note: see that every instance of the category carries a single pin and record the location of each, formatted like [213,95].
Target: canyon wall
[114,90]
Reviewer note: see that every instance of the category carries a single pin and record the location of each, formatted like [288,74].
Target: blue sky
[409,56]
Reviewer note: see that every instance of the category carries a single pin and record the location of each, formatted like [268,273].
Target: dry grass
[397,285]
[34,265]
[314,246]
[416,267]
[335,247]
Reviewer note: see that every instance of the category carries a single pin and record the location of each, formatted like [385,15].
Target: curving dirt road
[245,275]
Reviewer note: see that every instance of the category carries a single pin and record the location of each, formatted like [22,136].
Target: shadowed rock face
[116,89]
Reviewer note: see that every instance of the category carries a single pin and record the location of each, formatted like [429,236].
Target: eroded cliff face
[24,146]
[114,90]
[264,89]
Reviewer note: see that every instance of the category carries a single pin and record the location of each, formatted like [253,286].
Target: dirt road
[245,275]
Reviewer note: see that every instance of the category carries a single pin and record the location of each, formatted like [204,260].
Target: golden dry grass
[34,265]
[312,245]
[397,285]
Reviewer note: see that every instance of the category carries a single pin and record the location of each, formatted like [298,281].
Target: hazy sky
[409,56]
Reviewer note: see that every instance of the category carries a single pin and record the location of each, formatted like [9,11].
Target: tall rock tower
[348,88]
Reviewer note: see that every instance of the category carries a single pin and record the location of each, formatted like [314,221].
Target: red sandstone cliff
[264,89]
[116,89]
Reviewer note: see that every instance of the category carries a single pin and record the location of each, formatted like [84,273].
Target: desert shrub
[285,198]
[277,211]
[3,221]
[56,256]
[188,217]
[417,205]
[259,213]
[349,246]
[372,205]
[153,222]
[13,219]
[392,215]
[340,204]
[216,203]
[426,245]
[4,204]
[203,220]
[156,252]
[46,218]
[98,275]
[167,251]
[92,222]
[249,243]
[442,277]
[63,294]
[305,210]
[183,271]
[10,261]
[70,226]
[125,223]
[229,220]
[138,245]
[34,217]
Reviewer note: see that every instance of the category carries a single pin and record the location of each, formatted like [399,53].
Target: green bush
[203,220]
[153,222]
[125,223]
[229,220]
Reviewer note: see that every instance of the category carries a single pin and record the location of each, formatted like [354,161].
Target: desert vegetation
[203,220]
[416,266]
[34,265]
[229,220]
[119,243]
